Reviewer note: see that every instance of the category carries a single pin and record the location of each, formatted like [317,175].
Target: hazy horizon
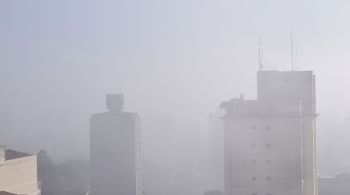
[174,61]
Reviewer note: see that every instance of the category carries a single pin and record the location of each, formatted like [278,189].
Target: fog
[175,62]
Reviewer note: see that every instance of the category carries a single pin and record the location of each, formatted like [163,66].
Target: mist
[174,61]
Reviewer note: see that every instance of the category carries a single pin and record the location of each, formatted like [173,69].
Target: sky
[173,60]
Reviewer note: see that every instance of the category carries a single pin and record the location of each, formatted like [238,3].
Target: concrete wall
[19,176]
[115,154]
[263,156]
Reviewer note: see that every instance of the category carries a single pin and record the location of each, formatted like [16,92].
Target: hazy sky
[177,59]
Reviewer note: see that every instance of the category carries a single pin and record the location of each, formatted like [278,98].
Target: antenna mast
[291,49]
[260,55]
[296,57]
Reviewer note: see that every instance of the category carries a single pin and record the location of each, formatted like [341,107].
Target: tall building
[270,142]
[18,173]
[115,150]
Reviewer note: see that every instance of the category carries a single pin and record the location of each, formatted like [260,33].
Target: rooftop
[279,94]
[6,193]
[12,154]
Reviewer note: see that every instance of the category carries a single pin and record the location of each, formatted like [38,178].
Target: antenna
[291,49]
[296,57]
[260,55]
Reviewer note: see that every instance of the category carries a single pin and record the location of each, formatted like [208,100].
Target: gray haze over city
[174,61]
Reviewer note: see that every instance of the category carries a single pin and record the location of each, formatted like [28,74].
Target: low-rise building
[18,173]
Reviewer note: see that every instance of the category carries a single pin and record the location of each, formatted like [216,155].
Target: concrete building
[270,142]
[115,147]
[18,173]
[216,151]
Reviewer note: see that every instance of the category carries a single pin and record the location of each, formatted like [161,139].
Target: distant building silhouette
[115,150]
[216,151]
[335,185]
[18,173]
[70,177]
[270,142]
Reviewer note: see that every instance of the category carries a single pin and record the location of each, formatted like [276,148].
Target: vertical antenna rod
[260,55]
[296,57]
[291,49]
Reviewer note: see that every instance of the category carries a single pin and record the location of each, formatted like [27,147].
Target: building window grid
[268,161]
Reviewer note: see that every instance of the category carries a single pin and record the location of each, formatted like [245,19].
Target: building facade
[270,142]
[18,172]
[216,151]
[115,147]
